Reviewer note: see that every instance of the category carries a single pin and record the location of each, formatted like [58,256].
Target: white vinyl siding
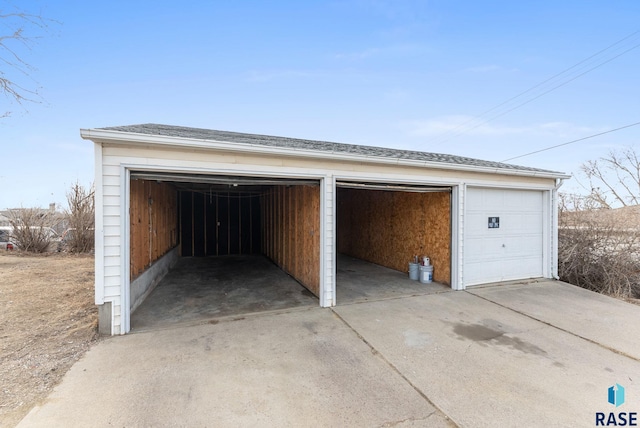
[111,251]
[457,235]
[327,276]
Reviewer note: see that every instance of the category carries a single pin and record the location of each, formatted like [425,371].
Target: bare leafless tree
[81,219]
[614,179]
[32,229]
[22,31]
[599,233]
[599,249]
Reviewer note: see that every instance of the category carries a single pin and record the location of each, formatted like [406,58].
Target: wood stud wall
[387,228]
[154,222]
[291,232]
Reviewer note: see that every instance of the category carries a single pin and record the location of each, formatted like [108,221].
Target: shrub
[32,230]
[598,249]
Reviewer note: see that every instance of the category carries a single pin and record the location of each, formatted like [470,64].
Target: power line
[571,142]
[563,72]
[462,128]
[552,89]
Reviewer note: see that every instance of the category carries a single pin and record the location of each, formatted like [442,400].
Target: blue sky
[385,73]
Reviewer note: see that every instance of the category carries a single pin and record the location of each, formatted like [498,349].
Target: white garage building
[164,192]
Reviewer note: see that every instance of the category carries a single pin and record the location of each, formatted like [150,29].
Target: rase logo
[615,396]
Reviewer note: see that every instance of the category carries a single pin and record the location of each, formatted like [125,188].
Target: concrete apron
[604,320]
[484,364]
[297,369]
[412,361]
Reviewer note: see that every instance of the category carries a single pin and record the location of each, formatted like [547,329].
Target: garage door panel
[518,200]
[475,199]
[476,223]
[514,250]
[511,248]
[521,241]
[519,223]
[482,272]
[524,268]
[504,269]
[479,250]
[493,199]
[523,246]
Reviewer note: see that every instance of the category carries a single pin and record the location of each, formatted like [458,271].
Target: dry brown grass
[48,320]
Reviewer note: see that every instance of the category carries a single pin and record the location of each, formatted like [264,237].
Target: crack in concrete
[396,423]
[374,351]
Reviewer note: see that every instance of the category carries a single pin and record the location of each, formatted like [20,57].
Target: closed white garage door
[504,232]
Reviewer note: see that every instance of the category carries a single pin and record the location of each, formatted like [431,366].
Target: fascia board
[108,136]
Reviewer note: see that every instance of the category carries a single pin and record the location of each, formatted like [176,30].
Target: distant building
[4,220]
[57,220]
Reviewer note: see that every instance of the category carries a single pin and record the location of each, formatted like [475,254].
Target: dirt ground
[48,320]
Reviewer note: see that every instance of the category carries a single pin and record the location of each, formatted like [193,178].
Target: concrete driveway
[535,354]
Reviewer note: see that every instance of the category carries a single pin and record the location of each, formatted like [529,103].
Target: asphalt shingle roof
[325,146]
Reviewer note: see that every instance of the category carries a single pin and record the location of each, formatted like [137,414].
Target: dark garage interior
[253,244]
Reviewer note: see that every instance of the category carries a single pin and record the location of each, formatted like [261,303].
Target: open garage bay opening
[386,225]
[230,245]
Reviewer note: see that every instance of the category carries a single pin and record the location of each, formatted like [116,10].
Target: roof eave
[111,136]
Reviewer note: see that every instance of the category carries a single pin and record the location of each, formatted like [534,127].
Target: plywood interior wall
[219,223]
[291,232]
[388,228]
[154,222]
